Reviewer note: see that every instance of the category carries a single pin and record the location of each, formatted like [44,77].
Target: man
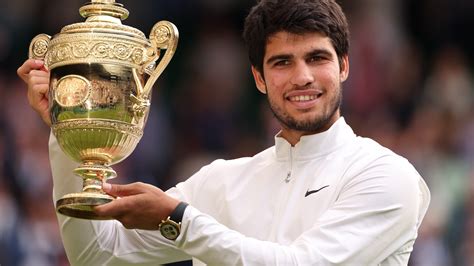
[320,196]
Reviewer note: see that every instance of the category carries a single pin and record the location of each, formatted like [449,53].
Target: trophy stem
[81,205]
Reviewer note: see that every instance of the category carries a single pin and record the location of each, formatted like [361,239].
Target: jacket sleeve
[89,242]
[376,215]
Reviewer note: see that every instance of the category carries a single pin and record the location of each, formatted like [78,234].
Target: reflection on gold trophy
[102,74]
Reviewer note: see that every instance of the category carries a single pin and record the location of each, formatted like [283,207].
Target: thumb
[121,190]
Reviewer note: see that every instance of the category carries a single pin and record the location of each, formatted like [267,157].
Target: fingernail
[106,187]
[38,62]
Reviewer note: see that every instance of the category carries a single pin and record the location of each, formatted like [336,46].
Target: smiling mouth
[304,98]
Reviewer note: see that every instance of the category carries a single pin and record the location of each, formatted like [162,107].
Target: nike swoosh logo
[309,192]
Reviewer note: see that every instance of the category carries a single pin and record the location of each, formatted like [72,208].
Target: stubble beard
[316,124]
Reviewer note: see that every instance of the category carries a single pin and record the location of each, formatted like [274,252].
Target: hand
[35,75]
[139,206]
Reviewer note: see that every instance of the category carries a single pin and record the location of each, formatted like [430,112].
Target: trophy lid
[102,38]
[104,16]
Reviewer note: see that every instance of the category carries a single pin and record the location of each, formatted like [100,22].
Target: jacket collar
[315,145]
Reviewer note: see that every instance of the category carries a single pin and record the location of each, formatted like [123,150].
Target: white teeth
[302,98]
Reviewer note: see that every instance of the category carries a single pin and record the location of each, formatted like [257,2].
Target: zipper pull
[288,177]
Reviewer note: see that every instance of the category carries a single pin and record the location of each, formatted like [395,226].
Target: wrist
[178,212]
[170,228]
[171,207]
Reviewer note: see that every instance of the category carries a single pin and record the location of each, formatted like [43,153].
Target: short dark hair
[268,17]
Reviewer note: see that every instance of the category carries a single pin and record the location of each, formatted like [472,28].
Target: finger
[114,209]
[38,80]
[123,190]
[27,66]
[38,93]
[38,98]
[39,73]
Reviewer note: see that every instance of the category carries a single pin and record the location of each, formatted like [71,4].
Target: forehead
[286,42]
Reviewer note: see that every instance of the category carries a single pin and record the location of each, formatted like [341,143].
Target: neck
[293,136]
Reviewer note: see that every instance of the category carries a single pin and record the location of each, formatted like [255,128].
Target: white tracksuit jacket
[333,198]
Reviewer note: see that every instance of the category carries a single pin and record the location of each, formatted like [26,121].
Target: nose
[302,75]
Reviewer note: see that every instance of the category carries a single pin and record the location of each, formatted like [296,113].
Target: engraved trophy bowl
[102,73]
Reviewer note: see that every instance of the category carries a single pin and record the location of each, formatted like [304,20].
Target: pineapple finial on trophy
[104,11]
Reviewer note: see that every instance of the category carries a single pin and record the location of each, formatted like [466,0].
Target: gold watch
[171,227]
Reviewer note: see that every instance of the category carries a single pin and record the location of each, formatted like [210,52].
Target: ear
[259,80]
[344,68]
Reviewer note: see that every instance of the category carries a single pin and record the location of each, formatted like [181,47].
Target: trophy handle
[164,36]
[39,47]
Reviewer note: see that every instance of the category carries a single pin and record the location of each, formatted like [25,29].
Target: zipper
[288,174]
[283,201]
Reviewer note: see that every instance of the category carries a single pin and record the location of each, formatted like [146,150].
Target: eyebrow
[317,51]
[278,57]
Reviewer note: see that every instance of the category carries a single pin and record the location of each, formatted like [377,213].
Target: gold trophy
[102,74]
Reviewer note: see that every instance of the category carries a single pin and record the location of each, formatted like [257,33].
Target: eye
[283,62]
[316,58]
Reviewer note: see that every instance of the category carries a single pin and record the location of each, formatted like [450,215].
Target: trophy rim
[81,205]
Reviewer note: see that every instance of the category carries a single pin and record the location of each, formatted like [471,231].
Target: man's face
[302,80]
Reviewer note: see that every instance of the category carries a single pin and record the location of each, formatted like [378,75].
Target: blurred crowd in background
[411,88]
